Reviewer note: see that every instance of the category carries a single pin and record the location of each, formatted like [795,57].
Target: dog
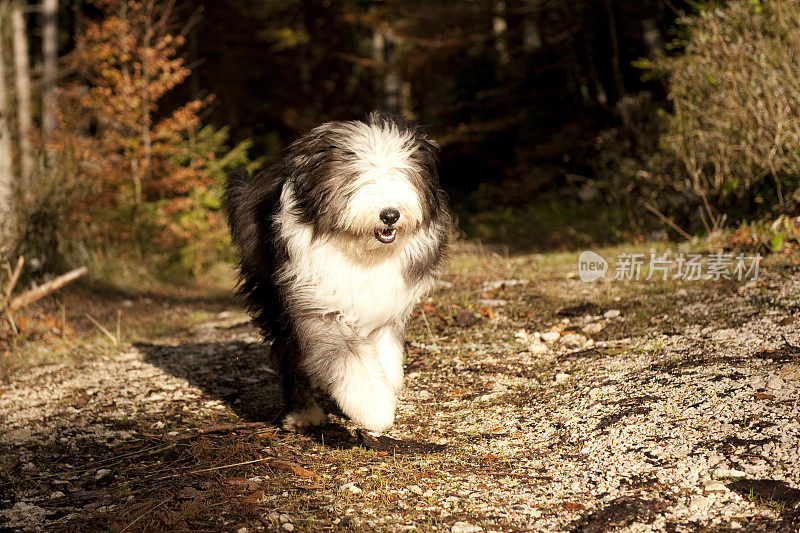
[338,241]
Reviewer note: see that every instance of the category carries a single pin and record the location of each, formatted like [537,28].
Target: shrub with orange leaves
[138,177]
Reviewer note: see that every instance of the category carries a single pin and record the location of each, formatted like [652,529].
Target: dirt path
[653,408]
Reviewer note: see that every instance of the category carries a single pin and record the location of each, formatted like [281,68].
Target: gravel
[680,429]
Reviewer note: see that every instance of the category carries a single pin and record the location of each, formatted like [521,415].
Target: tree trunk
[500,33]
[388,83]
[50,53]
[147,144]
[652,38]
[22,76]
[7,211]
[531,35]
[615,65]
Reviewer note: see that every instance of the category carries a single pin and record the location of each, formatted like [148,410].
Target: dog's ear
[306,155]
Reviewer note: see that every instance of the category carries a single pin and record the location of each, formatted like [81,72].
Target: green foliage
[202,236]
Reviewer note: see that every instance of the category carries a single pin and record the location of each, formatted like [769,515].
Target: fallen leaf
[763,396]
[309,486]
[254,497]
[574,506]
[295,469]
[488,313]
[488,459]
[428,308]
[787,320]
[241,483]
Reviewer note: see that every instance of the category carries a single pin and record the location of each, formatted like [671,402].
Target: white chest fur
[336,275]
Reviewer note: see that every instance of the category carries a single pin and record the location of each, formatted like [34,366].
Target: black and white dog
[338,241]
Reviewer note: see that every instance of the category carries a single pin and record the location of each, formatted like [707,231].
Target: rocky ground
[533,402]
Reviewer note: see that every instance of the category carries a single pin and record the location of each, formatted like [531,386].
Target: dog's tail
[234,192]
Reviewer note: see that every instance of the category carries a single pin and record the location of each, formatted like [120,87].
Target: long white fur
[358,282]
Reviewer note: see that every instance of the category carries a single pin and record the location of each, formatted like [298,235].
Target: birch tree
[22,79]
[7,214]
[50,73]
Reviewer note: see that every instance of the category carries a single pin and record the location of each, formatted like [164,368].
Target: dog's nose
[390,215]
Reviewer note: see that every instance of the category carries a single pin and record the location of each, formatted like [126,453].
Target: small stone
[288,526]
[29,467]
[561,377]
[24,515]
[724,472]
[284,518]
[465,527]
[56,494]
[351,487]
[612,313]
[242,530]
[572,339]
[551,336]
[716,486]
[699,503]
[593,328]
[775,383]
[102,474]
[415,489]
[537,347]
[188,493]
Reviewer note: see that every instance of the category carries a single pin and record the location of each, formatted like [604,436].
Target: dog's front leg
[388,343]
[350,370]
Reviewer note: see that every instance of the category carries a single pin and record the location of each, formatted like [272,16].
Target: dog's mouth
[386,235]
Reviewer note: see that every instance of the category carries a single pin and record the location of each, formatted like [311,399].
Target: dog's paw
[373,411]
[303,418]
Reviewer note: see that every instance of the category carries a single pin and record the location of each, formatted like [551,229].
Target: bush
[130,180]
[735,91]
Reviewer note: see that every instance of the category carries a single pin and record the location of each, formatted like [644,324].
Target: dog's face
[376,180]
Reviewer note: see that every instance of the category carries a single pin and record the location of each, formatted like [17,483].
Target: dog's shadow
[238,373]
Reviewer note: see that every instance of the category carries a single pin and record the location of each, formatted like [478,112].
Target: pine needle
[103,330]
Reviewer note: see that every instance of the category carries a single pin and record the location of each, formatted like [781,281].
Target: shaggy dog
[338,241]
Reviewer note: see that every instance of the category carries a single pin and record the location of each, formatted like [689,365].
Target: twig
[44,289]
[222,428]
[14,276]
[144,514]
[667,221]
[12,323]
[103,329]
[63,322]
[232,466]
[428,326]
[119,328]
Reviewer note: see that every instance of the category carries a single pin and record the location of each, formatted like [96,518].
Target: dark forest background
[563,124]
[517,92]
